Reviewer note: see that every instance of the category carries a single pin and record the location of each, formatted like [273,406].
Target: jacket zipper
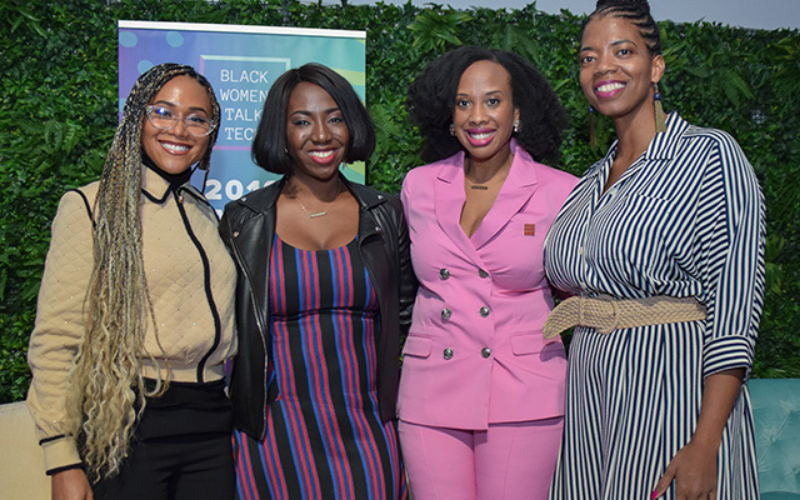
[261,327]
[371,273]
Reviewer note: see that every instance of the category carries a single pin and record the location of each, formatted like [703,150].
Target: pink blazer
[475,353]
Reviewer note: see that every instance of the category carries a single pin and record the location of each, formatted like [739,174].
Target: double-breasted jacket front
[475,353]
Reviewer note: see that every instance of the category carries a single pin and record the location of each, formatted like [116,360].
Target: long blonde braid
[106,391]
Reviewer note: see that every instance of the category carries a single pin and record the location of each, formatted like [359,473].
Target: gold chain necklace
[499,177]
[321,213]
[492,182]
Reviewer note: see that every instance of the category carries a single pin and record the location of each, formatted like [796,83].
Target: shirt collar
[663,147]
[156,188]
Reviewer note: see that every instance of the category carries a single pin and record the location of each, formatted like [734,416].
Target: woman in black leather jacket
[324,294]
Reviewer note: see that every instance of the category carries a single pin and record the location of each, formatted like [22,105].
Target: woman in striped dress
[673,214]
[325,287]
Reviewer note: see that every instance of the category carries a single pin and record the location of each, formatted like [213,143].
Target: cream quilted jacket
[191,278]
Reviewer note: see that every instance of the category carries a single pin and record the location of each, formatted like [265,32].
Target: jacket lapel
[253,252]
[517,189]
[448,203]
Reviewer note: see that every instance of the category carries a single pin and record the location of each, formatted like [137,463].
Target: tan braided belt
[605,314]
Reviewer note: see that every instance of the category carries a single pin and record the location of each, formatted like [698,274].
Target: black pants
[181,449]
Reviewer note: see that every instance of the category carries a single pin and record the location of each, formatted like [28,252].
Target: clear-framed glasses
[165,118]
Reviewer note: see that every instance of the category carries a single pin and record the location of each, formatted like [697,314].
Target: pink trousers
[506,462]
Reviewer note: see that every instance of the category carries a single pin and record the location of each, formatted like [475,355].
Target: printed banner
[241,62]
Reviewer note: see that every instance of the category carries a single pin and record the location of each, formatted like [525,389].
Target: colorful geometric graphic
[241,62]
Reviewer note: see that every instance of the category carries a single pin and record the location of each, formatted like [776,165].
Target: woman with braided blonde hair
[135,316]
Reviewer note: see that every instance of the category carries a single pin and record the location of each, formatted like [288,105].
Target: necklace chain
[493,181]
[321,213]
[498,177]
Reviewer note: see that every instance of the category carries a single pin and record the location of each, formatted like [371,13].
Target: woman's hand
[694,470]
[71,484]
[694,467]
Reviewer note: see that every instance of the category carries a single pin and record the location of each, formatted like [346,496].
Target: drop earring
[517,126]
[592,130]
[452,129]
[661,119]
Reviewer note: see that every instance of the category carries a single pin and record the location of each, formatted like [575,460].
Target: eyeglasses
[166,118]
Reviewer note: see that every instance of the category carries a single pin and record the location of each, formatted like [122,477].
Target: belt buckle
[605,330]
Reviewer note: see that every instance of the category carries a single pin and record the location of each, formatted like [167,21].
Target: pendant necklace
[498,177]
[321,213]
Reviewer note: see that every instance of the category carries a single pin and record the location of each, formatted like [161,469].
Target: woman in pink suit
[482,393]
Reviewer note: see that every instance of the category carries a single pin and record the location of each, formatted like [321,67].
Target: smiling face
[174,150]
[316,133]
[484,114]
[617,70]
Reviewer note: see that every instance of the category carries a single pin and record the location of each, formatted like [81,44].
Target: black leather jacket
[248,229]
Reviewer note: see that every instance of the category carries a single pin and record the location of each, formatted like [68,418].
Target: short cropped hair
[270,150]
[432,96]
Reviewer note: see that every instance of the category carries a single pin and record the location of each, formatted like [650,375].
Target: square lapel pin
[529,230]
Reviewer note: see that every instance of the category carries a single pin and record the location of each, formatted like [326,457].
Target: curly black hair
[269,149]
[637,12]
[432,96]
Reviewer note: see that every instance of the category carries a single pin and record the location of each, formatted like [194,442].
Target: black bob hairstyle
[270,149]
[432,96]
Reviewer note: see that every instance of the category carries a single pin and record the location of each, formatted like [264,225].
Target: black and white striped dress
[686,220]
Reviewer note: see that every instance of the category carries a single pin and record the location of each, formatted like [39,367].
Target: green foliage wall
[58,112]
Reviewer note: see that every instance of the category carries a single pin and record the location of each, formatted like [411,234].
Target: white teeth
[321,154]
[609,87]
[175,147]
[482,136]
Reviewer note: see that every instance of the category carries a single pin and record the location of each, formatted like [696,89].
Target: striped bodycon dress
[685,220]
[324,437]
